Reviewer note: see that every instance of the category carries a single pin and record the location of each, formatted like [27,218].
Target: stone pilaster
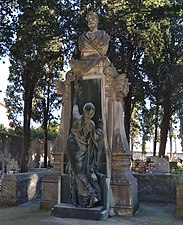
[123,199]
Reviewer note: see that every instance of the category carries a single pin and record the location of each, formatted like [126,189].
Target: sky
[4,73]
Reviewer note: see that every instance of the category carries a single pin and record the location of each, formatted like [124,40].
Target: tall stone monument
[92,157]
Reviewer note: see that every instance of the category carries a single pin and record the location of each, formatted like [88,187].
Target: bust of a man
[93,43]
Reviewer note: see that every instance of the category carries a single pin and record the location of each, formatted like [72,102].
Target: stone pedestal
[50,191]
[123,195]
[69,211]
[50,184]
[126,203]
[179,198]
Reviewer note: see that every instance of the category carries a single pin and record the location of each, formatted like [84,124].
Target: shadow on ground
[148,214]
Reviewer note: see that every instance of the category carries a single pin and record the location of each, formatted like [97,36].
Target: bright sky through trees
[4,73]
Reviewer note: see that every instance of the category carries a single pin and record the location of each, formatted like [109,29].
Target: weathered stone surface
[157,187]
[124,199]
[20,188]
[65,189]
[162,166]
[49,191]
[124,195]
[179,198]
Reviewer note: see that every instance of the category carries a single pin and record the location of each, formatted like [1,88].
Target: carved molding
[117,87]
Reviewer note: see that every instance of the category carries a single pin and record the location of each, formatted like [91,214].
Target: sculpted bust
[93,46]
[93,43]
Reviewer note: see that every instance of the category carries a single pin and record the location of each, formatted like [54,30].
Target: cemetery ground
[149,213]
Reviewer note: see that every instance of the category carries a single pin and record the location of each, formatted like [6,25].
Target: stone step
[65,210]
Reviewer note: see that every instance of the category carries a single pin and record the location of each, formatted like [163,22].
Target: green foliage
[8,19]
[165,71]
[143,46]
[135,124]
[37,48]
[147,119]
[38,133]
[10,131]
[146,44]
[2,129]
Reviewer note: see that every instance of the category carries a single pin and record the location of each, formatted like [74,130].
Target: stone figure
[82,148]
[93,43]
[93,46]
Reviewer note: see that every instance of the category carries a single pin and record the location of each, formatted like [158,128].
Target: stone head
[88,110]
[92,19]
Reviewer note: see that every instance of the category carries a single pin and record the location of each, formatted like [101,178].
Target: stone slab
[20,188]
[64,210]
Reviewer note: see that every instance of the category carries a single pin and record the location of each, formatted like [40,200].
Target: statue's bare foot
[93,201]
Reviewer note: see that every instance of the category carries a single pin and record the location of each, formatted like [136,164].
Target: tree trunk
[170,146]
[165,126]
[127,100]
[127,117]
[46,110]
[156,130]
[170,138]
[45,146]
[25,144]
[181,132]
[144,145]
[26,124]
[132,144]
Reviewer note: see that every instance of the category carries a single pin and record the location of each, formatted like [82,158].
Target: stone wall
[157,187]
[11,147]
[19,188]
[179,199]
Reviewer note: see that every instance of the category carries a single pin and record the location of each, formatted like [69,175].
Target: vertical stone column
[123,186]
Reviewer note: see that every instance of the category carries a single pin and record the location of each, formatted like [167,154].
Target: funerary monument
[91,178]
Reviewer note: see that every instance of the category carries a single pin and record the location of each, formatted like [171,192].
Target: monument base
[49,198]
[124,200]
[124,211]
[69,211]
[124,196]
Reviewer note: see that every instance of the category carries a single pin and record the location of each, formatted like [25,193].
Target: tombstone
[13,167]
[91,151]
[162,166]
[154,159]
